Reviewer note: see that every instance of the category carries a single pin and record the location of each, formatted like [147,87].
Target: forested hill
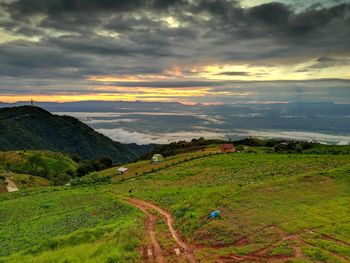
[28,127]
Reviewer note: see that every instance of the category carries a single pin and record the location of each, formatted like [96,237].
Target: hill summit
[29,127]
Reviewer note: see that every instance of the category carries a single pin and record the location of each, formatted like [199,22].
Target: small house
[227,148]
[122,170]
[157,158]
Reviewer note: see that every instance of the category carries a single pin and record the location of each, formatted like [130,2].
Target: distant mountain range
[28,127]
[163,122]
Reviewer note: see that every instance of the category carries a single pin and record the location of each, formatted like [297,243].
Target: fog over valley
[147,122]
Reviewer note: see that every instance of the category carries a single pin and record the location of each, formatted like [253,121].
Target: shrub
[105,162]
[91,179]
[89,166]
[76,158]
[60,179]
[240,148]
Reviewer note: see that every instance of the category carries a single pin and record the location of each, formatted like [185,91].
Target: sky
[189,51]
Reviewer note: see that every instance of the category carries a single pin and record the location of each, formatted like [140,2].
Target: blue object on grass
[214,214]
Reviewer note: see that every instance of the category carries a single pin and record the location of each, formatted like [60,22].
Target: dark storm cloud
[105,46]
[63,59]
[226,15]
[22,58]
[167,84]
[77,38]
[263,13]
[30,7]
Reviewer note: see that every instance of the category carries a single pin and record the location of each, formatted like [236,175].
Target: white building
[122,170]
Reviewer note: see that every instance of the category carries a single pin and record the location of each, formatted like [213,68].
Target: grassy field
[25,180]
[146,166]
[264,198]
[273,206]
[30,160]
[77,225]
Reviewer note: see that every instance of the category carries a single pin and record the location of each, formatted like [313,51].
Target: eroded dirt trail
[154,251]
[145,207]
[184,252]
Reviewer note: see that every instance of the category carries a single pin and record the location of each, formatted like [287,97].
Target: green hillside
[23,181]
[262,197]
[33,162]
[274,207]
[36,168]
[29,127]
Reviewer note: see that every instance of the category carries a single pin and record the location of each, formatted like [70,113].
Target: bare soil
[183,250]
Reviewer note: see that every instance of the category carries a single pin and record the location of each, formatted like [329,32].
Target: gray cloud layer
[78,38]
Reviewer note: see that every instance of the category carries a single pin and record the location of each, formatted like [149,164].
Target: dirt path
[154,251]
[156,254]
[152,219]
[11,186]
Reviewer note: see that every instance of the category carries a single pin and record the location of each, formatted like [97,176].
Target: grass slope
[263,199]
[23,181]
[146,166]
[277,206]
[35,168]
[31,160]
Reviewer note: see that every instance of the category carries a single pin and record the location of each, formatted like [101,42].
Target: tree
[60,179]
[105,162]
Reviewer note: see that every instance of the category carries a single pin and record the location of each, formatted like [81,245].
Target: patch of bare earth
[295,241]
[154,250]
[179,251]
